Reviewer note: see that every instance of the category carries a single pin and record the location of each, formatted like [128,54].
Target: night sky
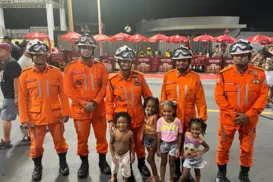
[117,13]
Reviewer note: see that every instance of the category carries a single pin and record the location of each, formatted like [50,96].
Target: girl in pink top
[169,137]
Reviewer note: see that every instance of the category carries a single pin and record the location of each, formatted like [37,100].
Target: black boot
[104,166]
[243,175]
[177,172]
[64,169]
[37,172]
[84,168]
[144,170]
[221,174]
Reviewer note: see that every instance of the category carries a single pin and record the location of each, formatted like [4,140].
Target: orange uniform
[84,84]
[42,102]
[242,93]
[125,96]
[187,91]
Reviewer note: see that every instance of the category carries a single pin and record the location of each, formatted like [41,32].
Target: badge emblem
[78,82]
[256,81]
[137,83]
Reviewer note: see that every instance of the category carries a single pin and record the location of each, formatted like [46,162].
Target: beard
[182,70]
[86,58]
[240,65]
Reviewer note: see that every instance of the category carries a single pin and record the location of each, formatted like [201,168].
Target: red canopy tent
[138,38]
[224,39]
[71,36]
[259,39]
[177,39]
[158,37]
[102,38]
[120,36]
[203,38]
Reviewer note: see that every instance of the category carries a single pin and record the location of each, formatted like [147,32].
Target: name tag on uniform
[169,83]
[77,73]
[117,87]
[28,81]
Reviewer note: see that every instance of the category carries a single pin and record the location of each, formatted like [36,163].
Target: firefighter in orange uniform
[124,92]
[185,88]
[241,95]
[42,103]
[85,82]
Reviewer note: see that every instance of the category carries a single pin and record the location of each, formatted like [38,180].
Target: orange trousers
[83,130]
[37,135]
[139,146]
[247,136]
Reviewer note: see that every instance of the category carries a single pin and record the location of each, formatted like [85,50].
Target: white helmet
[182,53]
[125,53]
[37,47]
[86,40]
[240,47]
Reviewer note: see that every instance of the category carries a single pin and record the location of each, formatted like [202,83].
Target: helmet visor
[85,39]
[240,45]
[182,52]
[39,48]
[126,55]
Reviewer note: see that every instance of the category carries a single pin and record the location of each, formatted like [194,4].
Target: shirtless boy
[121,140]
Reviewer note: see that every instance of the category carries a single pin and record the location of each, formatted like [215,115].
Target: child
[121,140]
[151,107]
[192,154]
[169,137]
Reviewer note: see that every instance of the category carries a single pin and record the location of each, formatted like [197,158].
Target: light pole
[70,16]
[99,25]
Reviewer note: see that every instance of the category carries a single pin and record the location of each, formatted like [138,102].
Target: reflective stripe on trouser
[83,130]
[139,146]
[37,135]
[226,135]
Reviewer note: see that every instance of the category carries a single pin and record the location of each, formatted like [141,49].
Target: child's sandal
[113,180]
[156,179]
[150,179]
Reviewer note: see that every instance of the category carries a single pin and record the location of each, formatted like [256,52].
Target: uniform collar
[248,70]
[120,76]
[82,62]
[48,68]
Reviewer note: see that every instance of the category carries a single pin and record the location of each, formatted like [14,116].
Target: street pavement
[16,166]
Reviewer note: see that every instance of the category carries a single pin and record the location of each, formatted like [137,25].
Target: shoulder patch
[53,67]
[98,62]
[113,76]
[29,68]
[226,69]
[135,72]
[72,62]
[258,68]
[171,71]
[194,72]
